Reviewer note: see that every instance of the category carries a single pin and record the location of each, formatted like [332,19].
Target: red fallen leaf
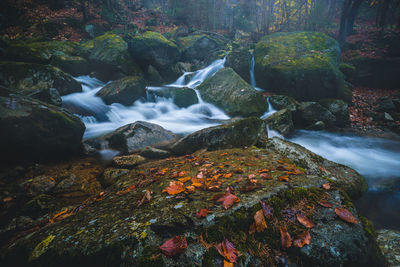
[325,204]
[326,186]
[345,215]
[228,200]
[126,191]
[263,170]
[202,213]
[302,240]
[146,198]
[173,246]
[286,239]
[281,168]
[267,209]
[7,199]
[228,250]
[304,220]
[260,222]
[284,178]
[265,176]
[175,187]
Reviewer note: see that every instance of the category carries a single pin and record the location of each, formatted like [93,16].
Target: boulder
[128,162]
[75,186]
[122,230]
[308,113]
[154,153]
[239,133]
[389,243]
[281,121]
[199,47]
[32,130]
[303,65]
[240,61]
[31,78]
[182,97]
[338,108]
[111,175]
[41,184]
[387,104]
[279,102]
[124,91]
[228,91]
[138,135]
[51,96]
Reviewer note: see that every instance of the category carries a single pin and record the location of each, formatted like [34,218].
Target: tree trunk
[343,21]
[352,16]
[382,18]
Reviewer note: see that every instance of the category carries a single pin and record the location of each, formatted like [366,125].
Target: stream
[378,160]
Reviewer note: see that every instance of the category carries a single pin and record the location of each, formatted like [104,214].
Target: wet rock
[282,101]
[40,205]
[41,184]
[124,91]
[51,96]
[93,30]
[153,77]
[281,121]
[228,91]
[240,61]
[28,78]
[388,117]
[317,126]
[240,133]
[154,153]
[199,47]
[182,97]
[73,186]
[33,130]
[138,135]
[111,176]
[308,113]
[303,65]
[128,162]
[385,105]
[389,243]
[338,108]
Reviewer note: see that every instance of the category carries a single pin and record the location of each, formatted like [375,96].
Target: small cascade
[252,75]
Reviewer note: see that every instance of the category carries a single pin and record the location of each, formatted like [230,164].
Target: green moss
[209,257]
[154,38]
[368,227]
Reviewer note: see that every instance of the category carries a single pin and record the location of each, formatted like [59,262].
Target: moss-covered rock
[32,130]
[228,91]
[28,78]
[182,97]
[124,91]
[279,102]
[281,121]
[308,113]
[300,64]
[338,108]
[199,47]
[239,133]
[240,61]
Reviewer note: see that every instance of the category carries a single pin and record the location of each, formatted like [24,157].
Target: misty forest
[200,133]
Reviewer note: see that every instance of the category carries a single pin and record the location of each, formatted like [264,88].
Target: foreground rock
[228,91]
[300,64]
[281,121]
[126,227]
[31,129]
[389,243]
[124,91]
[138,135]
[240,133]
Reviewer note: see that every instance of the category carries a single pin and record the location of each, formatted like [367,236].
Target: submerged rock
[138,135]
[124,91]
[228,91]
[241,133]
[281,121]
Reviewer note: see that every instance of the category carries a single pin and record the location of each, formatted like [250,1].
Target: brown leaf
[204,243]
[184,179]
[286,239]
[7,199]
[260,222]
[126,191]
[267,209]
[252,229]
[265,176]
[175,187]
[202,213]
[146,198]
[302,240]
[304,220]
[248,187]
[326,186]
[263,170]
[345,215]
[325,204]
[228,175]
[173,246]
[228,250]
[284,178]
[228,200]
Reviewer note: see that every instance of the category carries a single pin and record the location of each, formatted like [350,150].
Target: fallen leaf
[302,240]
[252,176]
[326,186]
[184,179]
[228,250]
[252,229]
[263,170]
[126,191]
[267,209]
[228,200]
[260,222]
[202,213]
[228,264]
[325,204]
[239,170]
[345,215]
[322,169]
[182,173]
[228,175]
[175,187]
[173,246]
[7,199]
[304,220]
[284,178]
[286,239]
[146,198]
[248,187]
[204,243]
[265,176]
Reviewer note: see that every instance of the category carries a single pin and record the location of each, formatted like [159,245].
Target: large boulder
[279,102]
[182,97]
[240,61]
[300,64]
[200,47]
[338,108]
[31,78]
[228,91]
[309,113]
[239,133]
[138,135]
[124,91]
[32,130]
[281,121]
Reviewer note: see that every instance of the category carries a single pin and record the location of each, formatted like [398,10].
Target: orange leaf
[202,213]
[228,250]
[146,198]
[182,173]
[228,264]
[175,187]
[302,240]
[263,170]
[126,191]
[259,219]
[345,215]
[326,186]
[7,199]
[265,176]
[267,209]
[286,239]
[304,220]
[325,204]
[173,246]
[184,179]
[284,178]
[228,200]
[228,175]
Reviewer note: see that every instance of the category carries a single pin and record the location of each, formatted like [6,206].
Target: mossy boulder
[228,91]
[279,102]
[308,113]
[28,78]
[182,97]
[124,91]
[199,47]
[338,108]
[152,48]
[239,133]
[240,61]
[34,130]
[281,121]
[303,65]
[115,230]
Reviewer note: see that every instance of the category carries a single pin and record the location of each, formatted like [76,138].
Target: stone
[338,108]
[308,113]
[240,61]
[74,186]
[199,47]
[154,153]
[388,117]
[182,97]
[41,184]
[128,162]
[281,121]
[279,102]
[389,243]
[111,175]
